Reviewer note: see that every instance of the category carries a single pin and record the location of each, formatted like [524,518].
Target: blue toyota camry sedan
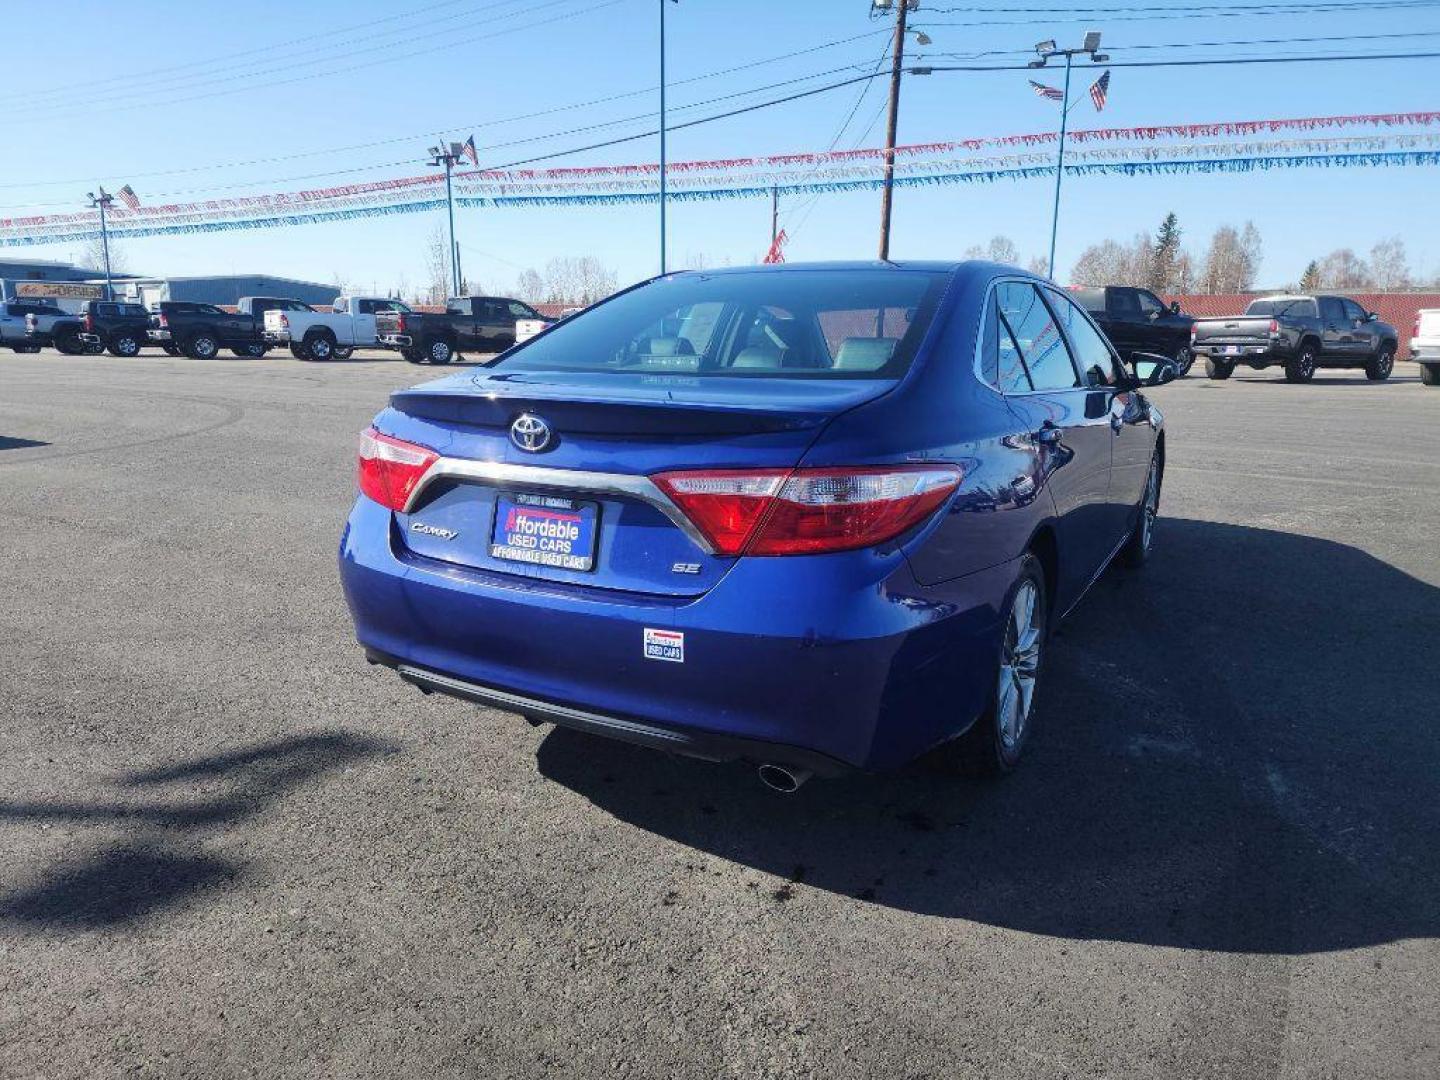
[816,517]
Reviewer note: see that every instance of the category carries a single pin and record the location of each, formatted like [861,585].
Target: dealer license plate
[1232,350]
[545,530]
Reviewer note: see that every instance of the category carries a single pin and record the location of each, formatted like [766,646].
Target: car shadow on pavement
[158,861]
[11,442]
[1235,750]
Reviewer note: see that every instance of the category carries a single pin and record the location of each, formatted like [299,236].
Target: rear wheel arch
[1310,340]
[1047,552]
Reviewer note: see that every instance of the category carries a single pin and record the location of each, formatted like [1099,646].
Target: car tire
[1218,369]
[1430,374]
[298,351]
[439,351]
[1379,366]
[70,345]
[415,356]
[320,346]
[1136,551]
[342,352]
[1300,368]
[124,344]
[993,744]
[250,352]
[202,346]
[1184,361]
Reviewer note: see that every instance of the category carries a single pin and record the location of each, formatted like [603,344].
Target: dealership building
[70,284]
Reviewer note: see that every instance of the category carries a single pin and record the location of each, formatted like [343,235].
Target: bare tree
[1390,265]
[1001,249]
[1113,263]
[1342,269]
[582,280]
[340,281]
[92,254]
[1039,265]
[1233,260]
[695,260]
[437,266]
[530,286]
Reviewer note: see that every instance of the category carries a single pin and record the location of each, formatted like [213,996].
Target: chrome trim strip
[538,477]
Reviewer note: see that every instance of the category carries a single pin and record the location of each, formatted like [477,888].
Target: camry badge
[530,433]
[433,530]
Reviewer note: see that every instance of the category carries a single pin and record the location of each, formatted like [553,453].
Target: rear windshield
[811,324]
[1301,307]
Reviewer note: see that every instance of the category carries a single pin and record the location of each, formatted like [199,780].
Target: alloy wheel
[1019,665]
[1151,507]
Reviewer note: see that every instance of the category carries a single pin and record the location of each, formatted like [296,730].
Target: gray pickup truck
[1300,334]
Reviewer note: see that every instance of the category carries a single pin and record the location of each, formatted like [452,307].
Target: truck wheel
[342,352]
[299,351]
[415,356]
[202,346]
[320,346]
[252,351]
[124,344]
[1184,361]
[439,352]
[1301,367]
[1430,374]
[1379,366]
[1218,369]
[70,344]
[171,350]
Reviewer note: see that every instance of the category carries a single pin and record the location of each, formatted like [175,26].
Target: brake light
[1274,327]
[285,320]
[390,469]
[164,322]
[89,322]
[1193,330]
[1415,330]
[807,511]
[400,323]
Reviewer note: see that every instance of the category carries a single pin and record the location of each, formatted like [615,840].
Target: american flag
[1049,93]
[469,151]
[1099,91]
[776,254]
[128,197]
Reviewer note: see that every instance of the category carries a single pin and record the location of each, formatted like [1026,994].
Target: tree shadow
[159,862]
[1235,750]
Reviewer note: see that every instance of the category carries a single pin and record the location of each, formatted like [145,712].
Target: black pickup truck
[484,324]
[1300,334]
[200,331]
[1136,321]
[99,325]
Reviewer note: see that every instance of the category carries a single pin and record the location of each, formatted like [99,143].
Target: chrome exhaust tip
[782,778]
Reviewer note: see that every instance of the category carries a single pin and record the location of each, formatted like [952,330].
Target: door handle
[1048,435]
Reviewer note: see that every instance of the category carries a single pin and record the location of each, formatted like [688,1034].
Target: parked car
[1136,320]
[819,518]
[333,334]
[1425,345]
[483,324]
[25,325]
[200,330]
[98,326]
[1301,334]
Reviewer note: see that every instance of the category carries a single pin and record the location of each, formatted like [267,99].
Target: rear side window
[1092,352]
[1149,303]
[1036,336]
[1331,310]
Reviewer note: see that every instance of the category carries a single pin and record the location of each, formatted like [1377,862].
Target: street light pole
[887,192]
[440,155]
[1060,164]
[662,132]
[103,201]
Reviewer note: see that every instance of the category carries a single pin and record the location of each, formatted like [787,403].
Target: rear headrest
[864,353]
[671,346]
[757,358]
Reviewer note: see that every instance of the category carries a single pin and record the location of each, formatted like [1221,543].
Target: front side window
[520,311]
[1331,310]
[826,324]
[1092,352]
[1036,335]
[1354,311]
[1149,303]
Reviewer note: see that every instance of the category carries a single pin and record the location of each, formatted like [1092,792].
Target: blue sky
[160,87]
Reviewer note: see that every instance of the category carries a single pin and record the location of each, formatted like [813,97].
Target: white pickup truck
[25,324]
[1425,345]
[328,335]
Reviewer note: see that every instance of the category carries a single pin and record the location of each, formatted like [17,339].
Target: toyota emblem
[530,433]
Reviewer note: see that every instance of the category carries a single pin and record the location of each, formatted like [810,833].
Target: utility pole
[774,215]
[1047,49]
[441,155]
[103,201]
[662,131]
[897,61]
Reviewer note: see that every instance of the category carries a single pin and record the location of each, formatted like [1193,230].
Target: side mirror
[1152,370]
[1174,307]
[1373,316]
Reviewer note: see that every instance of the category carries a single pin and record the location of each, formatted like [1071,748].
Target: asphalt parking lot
[230,848]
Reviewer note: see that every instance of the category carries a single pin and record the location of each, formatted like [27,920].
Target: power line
[1280,7]
[1210,61]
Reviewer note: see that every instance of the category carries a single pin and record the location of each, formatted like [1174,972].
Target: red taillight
[1415,330]
[399,324]
[164,322]
[391,469]
[807,511]
[285,320]
[89,323]
[1193,329]
[1274,327]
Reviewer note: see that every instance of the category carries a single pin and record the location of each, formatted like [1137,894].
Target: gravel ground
[229,848]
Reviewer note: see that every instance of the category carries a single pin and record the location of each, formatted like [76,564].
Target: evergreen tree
[1310,279]
[1166,253]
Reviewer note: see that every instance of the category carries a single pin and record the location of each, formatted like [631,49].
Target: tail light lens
[1415,330]
[1274,327]
[164,322]
[1193,329]
[89,322]
[807,511]
[400,323]
[285,320]
[390,469]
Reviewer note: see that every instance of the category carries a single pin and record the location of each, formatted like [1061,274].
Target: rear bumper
[1426,353]
[42,338]
[792,660]
[92,339]
[395,341]
[1244,352]
[276,337]
[159,335]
